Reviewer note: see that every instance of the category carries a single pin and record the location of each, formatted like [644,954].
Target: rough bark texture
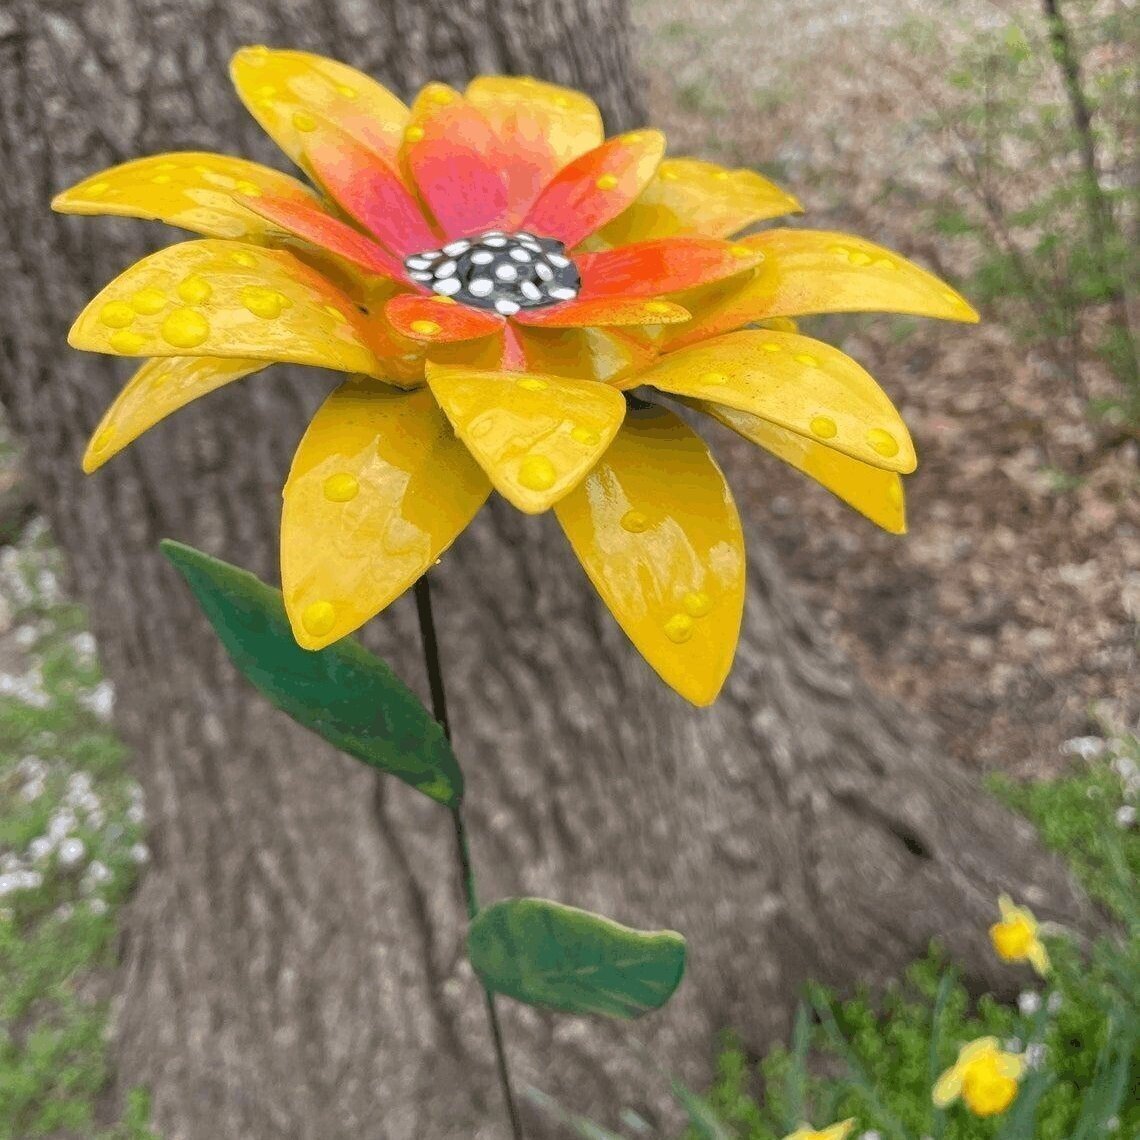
[292,964]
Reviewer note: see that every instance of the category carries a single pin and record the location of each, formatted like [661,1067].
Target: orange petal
[453,155]
[596,187]
[438,320]
[541,126]
[370,189]
[603,311]
[650,268]
[330,233]
[291,92]
[690,197]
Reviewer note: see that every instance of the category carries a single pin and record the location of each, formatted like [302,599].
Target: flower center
[500,271]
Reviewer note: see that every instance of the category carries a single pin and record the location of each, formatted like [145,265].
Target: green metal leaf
[343,693]
[546,954]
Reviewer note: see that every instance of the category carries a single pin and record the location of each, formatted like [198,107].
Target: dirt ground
[1009,612]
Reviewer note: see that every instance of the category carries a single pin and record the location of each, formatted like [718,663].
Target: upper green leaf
[567,959]
[343,693]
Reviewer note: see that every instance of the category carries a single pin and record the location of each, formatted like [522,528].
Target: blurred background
[995,143]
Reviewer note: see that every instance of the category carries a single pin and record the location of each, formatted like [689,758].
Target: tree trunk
[292,965]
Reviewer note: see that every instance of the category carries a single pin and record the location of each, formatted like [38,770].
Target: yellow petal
[222,298]
[608,355]
[535,436]
[815,271]
[1039,957]
[655,528]
[193,189]
[948,1087]
[839,1131]
[158,388]
[796,383]
[979,1047]
[379,488]
[290,92]
[873,492]
[688,197]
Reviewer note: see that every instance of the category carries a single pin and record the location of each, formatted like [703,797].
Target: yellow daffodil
[985,1077]
[838,1131]
[1015,937]
[495,276]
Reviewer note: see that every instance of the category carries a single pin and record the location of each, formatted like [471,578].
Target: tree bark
[292,964]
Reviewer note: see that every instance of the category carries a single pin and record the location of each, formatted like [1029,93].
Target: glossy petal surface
[796,383]
[873,492]
[432,320]
[191,189]
[650,268]
[323,230]
[543,126]
[688,197]
[379,488]
[535,436]
[290,92]
[370,188]
[596,187]
[456,161]
[158,388]
[604,355]
[603,311]
[815,271]
[221,298]
[655,528]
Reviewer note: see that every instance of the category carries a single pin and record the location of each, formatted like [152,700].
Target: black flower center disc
[500,271]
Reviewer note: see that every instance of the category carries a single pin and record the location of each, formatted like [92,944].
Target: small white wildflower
[870,1135]
[100,700]
[32,790]
[40,848]
[1013,1045]
[79,784]
[61,823]
[10,862]
[89,802]
[1055,1002]
[84,644]
[71,852]
[31,768]
[97,906]
[1125,767]
[20,881]
[99,872]
[64,911]
[1035,1055]
[136,813]
[1112,1124]
[1125,815]
[1086,747]
[140,853]
[1029,1002]
[25,636]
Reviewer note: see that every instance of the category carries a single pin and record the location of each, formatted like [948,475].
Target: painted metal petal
[584,312]
[796,383]
[655,527]
[535,436]
[379,489]
[650,268]
[439,320]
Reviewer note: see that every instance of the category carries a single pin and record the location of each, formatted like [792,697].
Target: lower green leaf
[343,693]
[559,957]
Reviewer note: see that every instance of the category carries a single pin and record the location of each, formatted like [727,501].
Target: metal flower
[1015,937]
[497,275]
[984,1076]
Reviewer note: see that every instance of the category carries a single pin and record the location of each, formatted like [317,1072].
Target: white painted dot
[495,242]
[531,291]
[524,235]
[483,257]
[480,286]
[558,259]
[506,272]
[544,271]
[520,255]
[417,263]
[506,307]
[446,268]
[494,233]
[431,254]
[533,246]
[564,294]
[448,286]
[455,248]
[420,276]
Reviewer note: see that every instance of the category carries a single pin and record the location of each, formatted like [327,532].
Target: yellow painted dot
[167,166]
[194,290]
[266,91]
[606,182]
[532,384]
[713,378]
[126,341]
[635,522]
[441,95]
[425,328]
[413,134]
[346,91]
[340,488]
[722,176]
[249,189]
[772,346]
[679,628]
[824,427]
[161,179]
[669,176]
[561,101]
[806,358]
[148,301]
[243,257]
[634,137]
[536,473]
[884,263]
[116,314]
[858,257]
[696,603]
[658,308]
[96,189]
[585,436]
[440,299]
[185,328]
[318,618]
[883,442]
[263,302]
[895,493]
[741,251]
[303,121]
